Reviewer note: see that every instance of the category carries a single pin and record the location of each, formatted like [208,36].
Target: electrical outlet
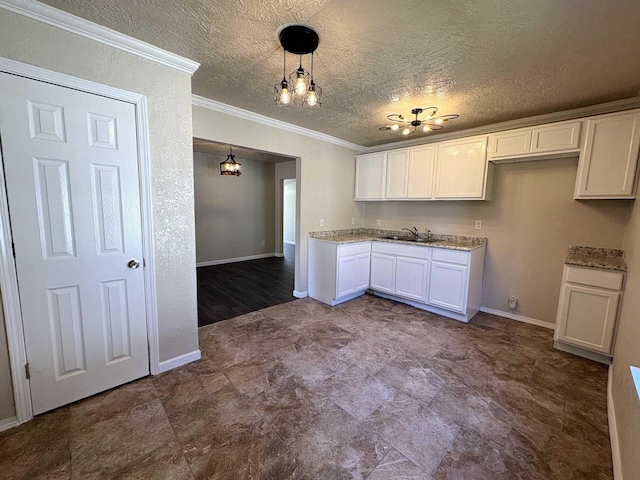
[262,242]
[353,220]
[513,302]
[377,222]
[478,224]
[322,222]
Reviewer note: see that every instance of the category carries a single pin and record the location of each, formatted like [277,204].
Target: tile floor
[369,389]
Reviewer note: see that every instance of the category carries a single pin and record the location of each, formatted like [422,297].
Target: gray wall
[289,212]
[168,94]
[233,214]
[284,170]
[529,224]
[626,401]
[7,408]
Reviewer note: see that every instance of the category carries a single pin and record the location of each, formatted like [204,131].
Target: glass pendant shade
[230,166]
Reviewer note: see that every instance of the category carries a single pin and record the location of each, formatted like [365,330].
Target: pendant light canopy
[299,88]
[230,166]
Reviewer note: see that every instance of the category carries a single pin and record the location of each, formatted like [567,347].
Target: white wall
[529,223]
[325,173]
[627,352]
[168,93]
[289,212]
[283,170]
[233,214]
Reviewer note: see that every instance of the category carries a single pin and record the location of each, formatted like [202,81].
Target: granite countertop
[605,258]
[453,242]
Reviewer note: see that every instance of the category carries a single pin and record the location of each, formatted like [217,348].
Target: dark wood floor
[232,289]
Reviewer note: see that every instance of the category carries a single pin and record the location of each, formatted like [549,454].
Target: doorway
[241,263]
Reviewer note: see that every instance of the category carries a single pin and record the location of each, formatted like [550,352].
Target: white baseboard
[279,255]
[519,318]
[290,242]
[613,430]
[298,294]
[236,259]
[8,423]
[179,361]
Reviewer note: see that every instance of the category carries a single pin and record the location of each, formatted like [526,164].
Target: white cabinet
[535,142]
[397,169]
[449,279]
[420,174]
[370,176]
[588,309]
[607,166]
[400,270]
[461,169]
[338,273]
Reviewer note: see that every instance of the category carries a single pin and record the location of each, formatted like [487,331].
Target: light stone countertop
[604,258]
[452,242]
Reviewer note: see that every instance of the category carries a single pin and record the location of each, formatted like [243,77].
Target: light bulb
[406,131]
[426,128]
[301,86]
[438,121]
[395,126]
[285,96]
[312,98]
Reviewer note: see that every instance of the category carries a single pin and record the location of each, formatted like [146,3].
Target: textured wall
[529,223]
[233,214]
[7,408]
[283,170]
[169,111]
[325,172]
[627,352]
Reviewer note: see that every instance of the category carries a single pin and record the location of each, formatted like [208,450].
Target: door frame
[8,275]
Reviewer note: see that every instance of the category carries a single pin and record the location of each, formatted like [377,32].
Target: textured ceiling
[241,153]
[487,60]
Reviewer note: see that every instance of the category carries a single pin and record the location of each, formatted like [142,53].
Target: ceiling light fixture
[428,122]
[230,166]
[299,88]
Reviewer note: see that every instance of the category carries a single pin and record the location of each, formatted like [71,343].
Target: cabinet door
[411,278]
[556,137]
[397,165]
[448,286]
[461,169]
[607,166]
[346,281]
[510,144]
[587,316]
[370,176]
[420,176]
[362,270]
[383,272]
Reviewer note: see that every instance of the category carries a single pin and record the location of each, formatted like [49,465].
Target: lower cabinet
[444,281]
[588,311]
[338,273]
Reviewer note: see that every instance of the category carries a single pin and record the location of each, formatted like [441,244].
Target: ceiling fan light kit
[299,88]
[424,118]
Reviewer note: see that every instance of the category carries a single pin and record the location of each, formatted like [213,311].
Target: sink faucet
[413,231]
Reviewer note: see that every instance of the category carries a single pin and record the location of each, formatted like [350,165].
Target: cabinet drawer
[595,278]
[450,256]
[354,249]
[401,249]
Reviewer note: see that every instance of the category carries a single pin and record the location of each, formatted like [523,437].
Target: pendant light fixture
[424,118]
[299,88]
[230,166]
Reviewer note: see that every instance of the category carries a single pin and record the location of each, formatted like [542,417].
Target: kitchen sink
[408,239]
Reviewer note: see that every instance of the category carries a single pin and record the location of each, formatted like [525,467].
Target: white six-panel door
[71,169]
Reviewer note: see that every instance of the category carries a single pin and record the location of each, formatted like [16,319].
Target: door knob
[133,264]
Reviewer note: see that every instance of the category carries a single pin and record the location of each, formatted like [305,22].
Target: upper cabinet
[461,169]
[534,142]
[420,172]
[607,166]
[397,168]
[370,176]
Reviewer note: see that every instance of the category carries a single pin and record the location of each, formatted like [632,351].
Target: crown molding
[85,28]
[209,104]
[601,108]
